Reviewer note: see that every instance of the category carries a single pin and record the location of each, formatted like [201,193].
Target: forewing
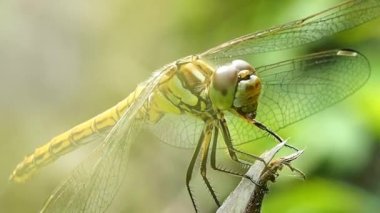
[297,88]
[93,185]
[300,32]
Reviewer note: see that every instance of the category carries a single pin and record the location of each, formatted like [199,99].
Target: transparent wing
[292,90]
[297,88]
[182,131]
[296,33]
[93,185]
[178,130]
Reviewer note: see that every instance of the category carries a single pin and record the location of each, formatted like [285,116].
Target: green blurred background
[62,62]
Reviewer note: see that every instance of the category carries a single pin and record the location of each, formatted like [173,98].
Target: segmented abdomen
[71,139]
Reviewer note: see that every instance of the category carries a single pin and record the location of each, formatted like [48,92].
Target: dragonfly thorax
[235,85]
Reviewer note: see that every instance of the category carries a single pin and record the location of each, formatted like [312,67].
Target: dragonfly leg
[213,160]
[266,129]
[203,144]
[191,168]
[204,155]
[231,149]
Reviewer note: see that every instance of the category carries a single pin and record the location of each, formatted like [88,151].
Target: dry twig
[248,197]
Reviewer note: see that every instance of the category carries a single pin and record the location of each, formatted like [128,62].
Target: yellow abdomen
[71,139]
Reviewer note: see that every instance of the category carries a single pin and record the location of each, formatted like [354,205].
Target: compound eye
[223,85]
[242,65]
[225,77]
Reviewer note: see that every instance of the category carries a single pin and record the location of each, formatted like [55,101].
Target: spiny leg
[191,167]
[213,156]
[231,149]
[204,154]
[203,144]
[266,129]
[228,141]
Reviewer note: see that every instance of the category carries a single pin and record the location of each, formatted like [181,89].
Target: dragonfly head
[236,86]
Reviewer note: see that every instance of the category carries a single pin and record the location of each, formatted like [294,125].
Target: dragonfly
[211,100]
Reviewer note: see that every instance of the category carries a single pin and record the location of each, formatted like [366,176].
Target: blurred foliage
[63,62]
